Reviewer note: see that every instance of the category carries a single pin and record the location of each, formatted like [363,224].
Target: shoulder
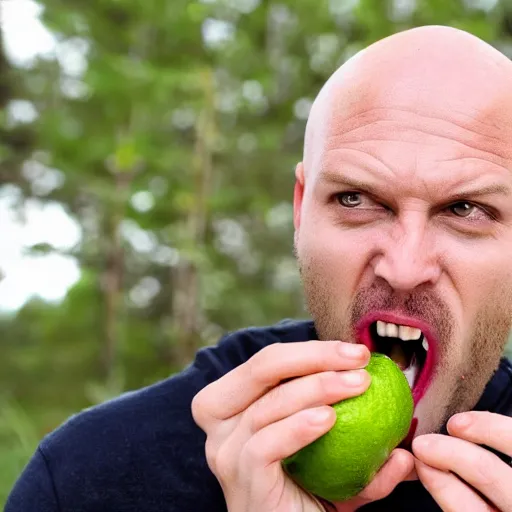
[506,367]
[497,395]
[503,387]
[145,442]
[127,452]
[133,413]
[503,376]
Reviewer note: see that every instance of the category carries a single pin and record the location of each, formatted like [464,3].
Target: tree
[173,129]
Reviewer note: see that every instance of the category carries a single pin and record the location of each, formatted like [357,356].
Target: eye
[463,208]
[349,199]
[470,211]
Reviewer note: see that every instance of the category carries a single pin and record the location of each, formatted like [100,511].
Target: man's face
[405,218]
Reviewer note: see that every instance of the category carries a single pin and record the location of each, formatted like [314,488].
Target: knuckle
[198,408]
[301,430]
[375,490]
[483,463]
[327,385]
[267,352]
[258,413]
[258,364]
[265,409]
[222,463]
[440,485]
[210,451]
[381,484]
[253,453]
[485,427]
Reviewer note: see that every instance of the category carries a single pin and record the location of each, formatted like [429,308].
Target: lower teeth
[412,371]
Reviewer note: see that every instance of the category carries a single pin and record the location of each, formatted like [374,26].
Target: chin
[429,415]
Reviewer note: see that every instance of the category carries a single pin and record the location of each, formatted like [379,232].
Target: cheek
[480,276]
[477,283]
[340,255]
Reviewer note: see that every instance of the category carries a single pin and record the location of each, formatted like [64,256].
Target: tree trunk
[112,280]
[186,309]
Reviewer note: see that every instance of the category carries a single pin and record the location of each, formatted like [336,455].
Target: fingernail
[420,443]
[461,420]
[318,416]
[353,378]
[352,350]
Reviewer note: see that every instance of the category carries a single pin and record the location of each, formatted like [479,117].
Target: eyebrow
[486,191]
[341,179]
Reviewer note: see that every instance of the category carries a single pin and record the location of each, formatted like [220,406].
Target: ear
[298,194]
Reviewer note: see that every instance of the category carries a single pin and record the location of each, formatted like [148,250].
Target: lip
[424,379]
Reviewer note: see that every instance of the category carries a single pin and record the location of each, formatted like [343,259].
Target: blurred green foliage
[176,126]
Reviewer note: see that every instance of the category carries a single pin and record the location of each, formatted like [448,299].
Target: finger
[286,437]
[256,465]
[482,427]
[395,470]
[324,388]
[450,493]
[235,391]
[475,465]
[412,475]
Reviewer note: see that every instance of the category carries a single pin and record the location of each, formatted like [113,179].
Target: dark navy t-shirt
[142,452]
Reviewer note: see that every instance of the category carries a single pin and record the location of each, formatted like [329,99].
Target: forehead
[393,132]
[406,135]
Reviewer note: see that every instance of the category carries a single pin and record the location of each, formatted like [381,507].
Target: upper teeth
[404,332]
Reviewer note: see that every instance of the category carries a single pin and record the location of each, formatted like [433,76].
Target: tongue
[409,368]
[399,357]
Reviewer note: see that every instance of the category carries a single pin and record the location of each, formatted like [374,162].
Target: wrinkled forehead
[451,94]
[470,99]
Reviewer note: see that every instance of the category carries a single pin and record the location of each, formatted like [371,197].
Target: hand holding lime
[341,463]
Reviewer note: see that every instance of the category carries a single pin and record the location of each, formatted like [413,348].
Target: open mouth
[408,342]
[407,346]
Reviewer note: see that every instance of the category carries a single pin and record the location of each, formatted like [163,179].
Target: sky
[21,275]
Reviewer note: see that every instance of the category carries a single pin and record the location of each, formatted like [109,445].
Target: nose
[408,258]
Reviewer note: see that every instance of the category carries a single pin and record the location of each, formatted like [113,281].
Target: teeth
[404,332]
[391,330]
[381,328]
[424,344]
[410,333]
[411,372]
[415,333]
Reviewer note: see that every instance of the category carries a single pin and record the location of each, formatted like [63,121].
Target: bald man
[403,236]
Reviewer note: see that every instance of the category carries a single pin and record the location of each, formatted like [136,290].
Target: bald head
[432,70]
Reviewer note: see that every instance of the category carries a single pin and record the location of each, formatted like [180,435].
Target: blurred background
[147,151]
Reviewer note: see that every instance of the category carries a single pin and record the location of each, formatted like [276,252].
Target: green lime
[341,463]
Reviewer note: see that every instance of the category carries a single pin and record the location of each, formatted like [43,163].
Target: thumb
[397,468]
